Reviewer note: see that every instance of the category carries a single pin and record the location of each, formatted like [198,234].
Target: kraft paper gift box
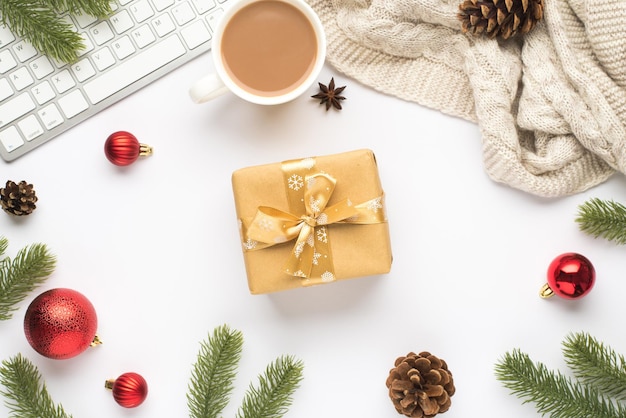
[311,221]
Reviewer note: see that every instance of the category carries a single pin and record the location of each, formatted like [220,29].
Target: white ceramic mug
[265,51]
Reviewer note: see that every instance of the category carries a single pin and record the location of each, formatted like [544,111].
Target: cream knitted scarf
[551,106]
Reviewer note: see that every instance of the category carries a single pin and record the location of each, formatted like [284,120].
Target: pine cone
[504,18]
[18,199]
[420,385]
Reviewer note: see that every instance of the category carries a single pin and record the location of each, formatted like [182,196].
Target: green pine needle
[273,395]
[553,393]
[595,364]
[214,372]
[27,396]
[603,218]
[40,23]
[18,277]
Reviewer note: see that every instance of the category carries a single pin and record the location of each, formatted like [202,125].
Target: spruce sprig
[558,395]
[214,372]
[603,218]
[40,23]
[19,276]
[272,396]
[596,365]
[26,393]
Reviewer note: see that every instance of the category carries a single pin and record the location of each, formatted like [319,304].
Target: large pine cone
[503,18]
[420,385]
[18,199]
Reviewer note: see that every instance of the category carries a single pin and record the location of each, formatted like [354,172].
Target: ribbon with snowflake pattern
[307,221]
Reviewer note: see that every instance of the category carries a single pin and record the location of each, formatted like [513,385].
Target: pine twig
[603,218]
[27,396]
[39,22]
[595,364]
[273,395]
[552,392]
[214,372]
[18,277]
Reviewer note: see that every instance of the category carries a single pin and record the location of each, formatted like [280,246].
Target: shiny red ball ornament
[61,323]
[122,148]
[129,389]
[570,276]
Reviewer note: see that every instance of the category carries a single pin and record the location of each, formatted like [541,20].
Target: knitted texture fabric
[551,105]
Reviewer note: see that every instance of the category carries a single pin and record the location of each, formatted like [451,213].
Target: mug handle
[207,88]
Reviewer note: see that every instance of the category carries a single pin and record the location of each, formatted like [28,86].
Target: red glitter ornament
[570,276]
[61,323]
[122,148]
[129,389]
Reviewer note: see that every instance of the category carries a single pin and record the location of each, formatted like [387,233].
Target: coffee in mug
[265,51]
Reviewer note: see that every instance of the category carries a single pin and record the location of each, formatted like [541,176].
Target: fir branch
[214,372]
[273,396]
[552,392]
[27,396]
[18,277]
[603,218]
[4,244]
[595,364]
[42,27]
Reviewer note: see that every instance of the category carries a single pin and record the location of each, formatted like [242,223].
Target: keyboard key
[203,6]
[41,67]
[63,81]
[213,18]
[163,25]
[103,58]
[5,89]
[21,78]
[11,139]
[122,21]
[30,127]
[6,37]
[141,10]
[101,33]
[43,92]
[183,13]
[15,108]
[87,45]
[50,116]
[143,36]
[24,51]
[83,70]
[73,103]
[195,34]
[84,20]
[134,69]
[123,47]
[161,5]
[7,62]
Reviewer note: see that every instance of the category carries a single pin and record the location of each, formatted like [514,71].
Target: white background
[155,247]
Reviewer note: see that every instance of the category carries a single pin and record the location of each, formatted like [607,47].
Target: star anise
[330,95]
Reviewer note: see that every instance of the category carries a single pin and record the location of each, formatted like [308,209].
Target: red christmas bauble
[570,276]
[61,323]
[129,389]
[122,148]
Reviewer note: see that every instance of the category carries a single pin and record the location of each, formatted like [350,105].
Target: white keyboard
[141,41]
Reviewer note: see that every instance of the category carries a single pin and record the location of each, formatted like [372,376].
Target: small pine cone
[420,385]
[18,199]
[503,18]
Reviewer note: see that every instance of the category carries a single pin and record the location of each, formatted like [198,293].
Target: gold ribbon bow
[308,195]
